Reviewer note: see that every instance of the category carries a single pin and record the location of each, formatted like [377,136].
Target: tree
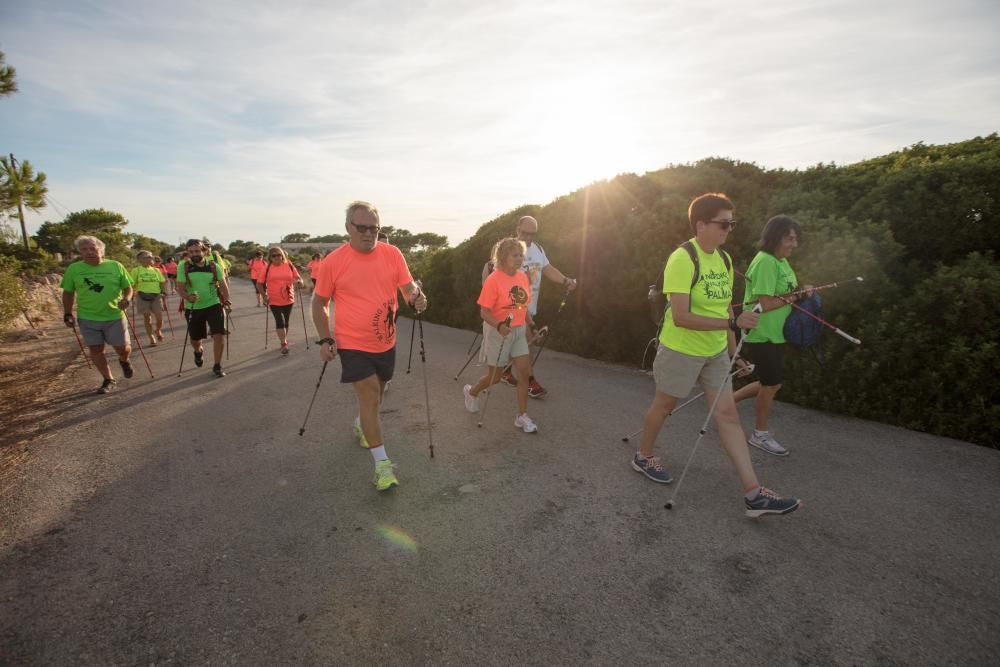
[330,238]
[8,82]
[20,187]
[298,237]
[105,225]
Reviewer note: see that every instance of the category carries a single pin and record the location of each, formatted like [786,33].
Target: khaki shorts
[677,373]
[143,306]
[514,345]
[95,332]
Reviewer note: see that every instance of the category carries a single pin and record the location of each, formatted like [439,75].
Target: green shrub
[13,299]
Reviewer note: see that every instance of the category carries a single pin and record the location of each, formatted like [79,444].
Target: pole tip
[860,279]
[301,431]
[669,505]
[479,425]
[625,439]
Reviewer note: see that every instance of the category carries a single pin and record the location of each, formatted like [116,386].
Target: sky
[251,120]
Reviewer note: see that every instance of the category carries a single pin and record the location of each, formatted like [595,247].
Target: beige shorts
[143,306]
[514,345]
[677,373]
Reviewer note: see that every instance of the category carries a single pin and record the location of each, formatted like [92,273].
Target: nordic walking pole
[80,343]
[187,331]
[316,391]
[748,369]
[819,319]
[166,309]
[427,394]
[302,309]
[467,362]
[704,427]
[562,304]
[138,342]
[489,389]
[839,283]
[409,362]
[267,322]
[474,339]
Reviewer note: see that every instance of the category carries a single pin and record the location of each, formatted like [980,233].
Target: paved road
[184,521]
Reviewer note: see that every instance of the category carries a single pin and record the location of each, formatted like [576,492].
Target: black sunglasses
[725,224]
[366,229]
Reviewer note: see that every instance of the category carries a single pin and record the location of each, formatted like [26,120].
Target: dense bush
[13,300]
[921,227]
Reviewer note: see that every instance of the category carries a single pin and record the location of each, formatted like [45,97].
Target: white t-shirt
[534,261]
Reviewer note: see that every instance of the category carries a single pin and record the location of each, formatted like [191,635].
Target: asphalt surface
[183,520]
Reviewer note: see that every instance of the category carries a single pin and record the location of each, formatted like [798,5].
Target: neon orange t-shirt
[363,288]
[504,294]
[171,268]
[281,284]
[312,266]
[257,267]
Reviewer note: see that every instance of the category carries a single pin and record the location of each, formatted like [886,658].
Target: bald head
[527,229]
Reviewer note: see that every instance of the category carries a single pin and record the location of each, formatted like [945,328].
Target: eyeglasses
[725,224]
[523,233]
[366,229]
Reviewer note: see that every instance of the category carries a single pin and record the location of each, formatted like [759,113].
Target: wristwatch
[733,325]
[326,341]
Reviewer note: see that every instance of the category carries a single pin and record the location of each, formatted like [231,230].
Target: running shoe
[127,369]
[217,369]
[152,342]
[198,358]
[106,386]
[284,348]
[385,479]
[471,402]
[769,502]
[767,443]
[525,424]
[651,467]
[536,390]
[508,379]
[359,433]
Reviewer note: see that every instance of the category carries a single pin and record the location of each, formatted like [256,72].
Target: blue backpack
[802,330]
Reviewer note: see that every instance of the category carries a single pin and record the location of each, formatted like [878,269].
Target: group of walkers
[699,343]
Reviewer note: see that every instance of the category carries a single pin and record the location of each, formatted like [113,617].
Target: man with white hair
[102,289]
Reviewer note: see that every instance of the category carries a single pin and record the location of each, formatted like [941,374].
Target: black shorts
[172,276]
[356,365]
[206,318]
[768,359]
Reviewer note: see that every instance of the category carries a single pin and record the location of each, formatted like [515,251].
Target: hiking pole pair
[137,341]
[472,355]
[749,369]
[493,380]
[704,427]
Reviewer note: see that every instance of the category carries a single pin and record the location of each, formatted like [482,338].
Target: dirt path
[183,521]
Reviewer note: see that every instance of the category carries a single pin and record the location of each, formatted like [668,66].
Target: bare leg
[765,400]
[218,345]
[282,335]
[523,366]
[369,392]
[746,391]
[656,415]
[733,439]
[491,377]
[100,361]
[124,352]
[147,320]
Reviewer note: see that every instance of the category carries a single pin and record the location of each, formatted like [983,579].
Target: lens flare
[397,538]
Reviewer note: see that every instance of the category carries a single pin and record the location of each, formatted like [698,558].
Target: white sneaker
[767,443]
[471,402]
[525,424]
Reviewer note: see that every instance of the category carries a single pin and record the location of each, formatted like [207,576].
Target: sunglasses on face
[725,224]
[366,229]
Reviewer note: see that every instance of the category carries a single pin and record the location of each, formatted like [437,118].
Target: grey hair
[80,240]
[361,205]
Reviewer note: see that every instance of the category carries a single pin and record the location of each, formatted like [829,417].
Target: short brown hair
[706,206]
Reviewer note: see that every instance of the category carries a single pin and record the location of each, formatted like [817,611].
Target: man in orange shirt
[361,279]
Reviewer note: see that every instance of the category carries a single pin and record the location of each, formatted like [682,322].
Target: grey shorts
[514,345]
[95,332]
[677,373]
[143,306]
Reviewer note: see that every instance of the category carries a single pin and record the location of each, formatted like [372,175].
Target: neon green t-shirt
[710,297]
[98,289]
[768,276]
[200,279]
[147,280]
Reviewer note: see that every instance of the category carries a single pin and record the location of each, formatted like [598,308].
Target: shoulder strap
[267,271]
[693,254]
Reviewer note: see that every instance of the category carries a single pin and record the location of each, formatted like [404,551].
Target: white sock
[760,433]
[378,453]
[357,421]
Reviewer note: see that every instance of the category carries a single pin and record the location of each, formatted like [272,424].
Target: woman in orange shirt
[277,289]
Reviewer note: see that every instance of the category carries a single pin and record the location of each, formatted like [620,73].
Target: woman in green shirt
[769,276]
[148,282]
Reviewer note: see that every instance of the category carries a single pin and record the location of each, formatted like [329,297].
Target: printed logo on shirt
[715,286]
[92,286]
[518,298]
[384,322]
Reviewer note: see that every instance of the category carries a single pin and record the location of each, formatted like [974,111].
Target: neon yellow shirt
[710,297]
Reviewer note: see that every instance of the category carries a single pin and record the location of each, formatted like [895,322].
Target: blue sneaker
[651,468]
[769,502]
